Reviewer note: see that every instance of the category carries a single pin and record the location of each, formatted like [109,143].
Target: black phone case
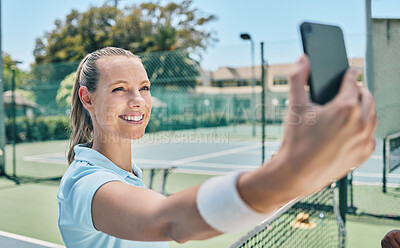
[325,47]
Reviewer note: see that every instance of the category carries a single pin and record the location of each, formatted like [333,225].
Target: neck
[116,149]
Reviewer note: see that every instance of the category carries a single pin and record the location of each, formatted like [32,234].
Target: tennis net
[312,222]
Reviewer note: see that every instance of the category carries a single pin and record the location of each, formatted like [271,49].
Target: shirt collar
[83,152]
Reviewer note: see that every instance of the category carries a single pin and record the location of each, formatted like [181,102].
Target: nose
[135,100]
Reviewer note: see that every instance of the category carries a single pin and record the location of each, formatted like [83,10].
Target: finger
[387,243]
[394,243]
[391,239]
[297,81]
[367,104]
[372,134]
[369,114]
[349,91]
[397,238]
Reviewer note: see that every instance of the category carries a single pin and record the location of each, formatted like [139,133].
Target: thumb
[297,80]
[349,90]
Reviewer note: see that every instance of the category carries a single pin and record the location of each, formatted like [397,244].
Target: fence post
[352,208]
[384,167]
[2,115]
[13,116]
[262,104]
[343,198]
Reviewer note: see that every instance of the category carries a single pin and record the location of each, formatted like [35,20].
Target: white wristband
[221,206]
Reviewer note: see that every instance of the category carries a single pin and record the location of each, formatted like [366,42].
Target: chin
[136,136]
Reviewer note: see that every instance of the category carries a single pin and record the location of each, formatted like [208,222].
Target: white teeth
[137,118]
[133,118]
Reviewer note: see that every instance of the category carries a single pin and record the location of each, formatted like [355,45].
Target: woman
[104,203]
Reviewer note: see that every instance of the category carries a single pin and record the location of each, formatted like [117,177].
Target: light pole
[13,116]
[2,124]
[246,36]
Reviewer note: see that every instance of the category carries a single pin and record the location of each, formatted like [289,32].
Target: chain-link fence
[189,104]
[196,104]
[375,187]
[181,94]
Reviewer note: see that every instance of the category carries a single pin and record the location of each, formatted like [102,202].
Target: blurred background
[219,72]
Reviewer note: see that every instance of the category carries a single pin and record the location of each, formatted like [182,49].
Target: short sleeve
[78,193]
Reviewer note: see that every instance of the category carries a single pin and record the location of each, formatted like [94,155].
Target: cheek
[107,112]
[147,100]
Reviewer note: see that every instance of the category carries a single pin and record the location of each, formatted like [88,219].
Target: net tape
[277,231]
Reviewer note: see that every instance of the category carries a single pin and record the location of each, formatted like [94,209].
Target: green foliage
[140,28]
[39,129]
[148,29]
[26,94]
[181,122]
[171,68]
[45,83]
[64,93]
[58,127]
[21,77]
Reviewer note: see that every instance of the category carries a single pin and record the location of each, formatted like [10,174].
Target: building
[234,84]
[386,79]
[23,106]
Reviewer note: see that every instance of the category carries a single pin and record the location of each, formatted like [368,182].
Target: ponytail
[81,122]
[88,75]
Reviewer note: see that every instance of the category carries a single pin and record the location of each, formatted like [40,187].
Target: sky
[276,22]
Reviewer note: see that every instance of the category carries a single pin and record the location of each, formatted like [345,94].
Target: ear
[84,96]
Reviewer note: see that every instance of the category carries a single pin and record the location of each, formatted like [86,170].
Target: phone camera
[308,30]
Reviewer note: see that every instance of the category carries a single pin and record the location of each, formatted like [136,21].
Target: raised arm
[321,144]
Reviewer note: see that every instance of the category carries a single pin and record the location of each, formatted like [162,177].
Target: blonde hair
[88,75]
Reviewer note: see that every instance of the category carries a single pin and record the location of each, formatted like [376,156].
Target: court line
[375,156]
[191,161]
[45,158]
[200,172]
[267,152]
[197,164]
[222,165]
[151,161]
[187,161]
[375,175]
[396,185]
[215,154]
[30,240]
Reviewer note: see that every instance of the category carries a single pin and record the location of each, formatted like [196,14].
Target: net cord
[264,224]
[339,220]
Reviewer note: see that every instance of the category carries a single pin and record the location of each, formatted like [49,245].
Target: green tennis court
[19,241]
[34,204]
[205,154]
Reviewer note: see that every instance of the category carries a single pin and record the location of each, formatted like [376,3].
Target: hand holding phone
[325,47]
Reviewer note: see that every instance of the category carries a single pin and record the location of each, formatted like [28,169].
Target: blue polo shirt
[89,171]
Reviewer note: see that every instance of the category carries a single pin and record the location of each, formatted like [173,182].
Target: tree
[171,69]
[140,28]
[64,93]
[149,30]
[182,19]
[45,83]
[78,35]
[21,77]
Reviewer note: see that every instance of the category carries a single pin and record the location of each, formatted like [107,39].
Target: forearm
[262,190]
[141,214]
[181,218]
[269,187]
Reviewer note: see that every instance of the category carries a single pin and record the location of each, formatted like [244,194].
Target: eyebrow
[125,82]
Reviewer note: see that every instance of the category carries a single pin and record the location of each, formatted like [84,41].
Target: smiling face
[121,105]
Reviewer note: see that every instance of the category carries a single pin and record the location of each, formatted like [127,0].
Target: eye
[145,88]
[118,89]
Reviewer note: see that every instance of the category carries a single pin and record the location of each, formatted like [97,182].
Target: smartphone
[326,50]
